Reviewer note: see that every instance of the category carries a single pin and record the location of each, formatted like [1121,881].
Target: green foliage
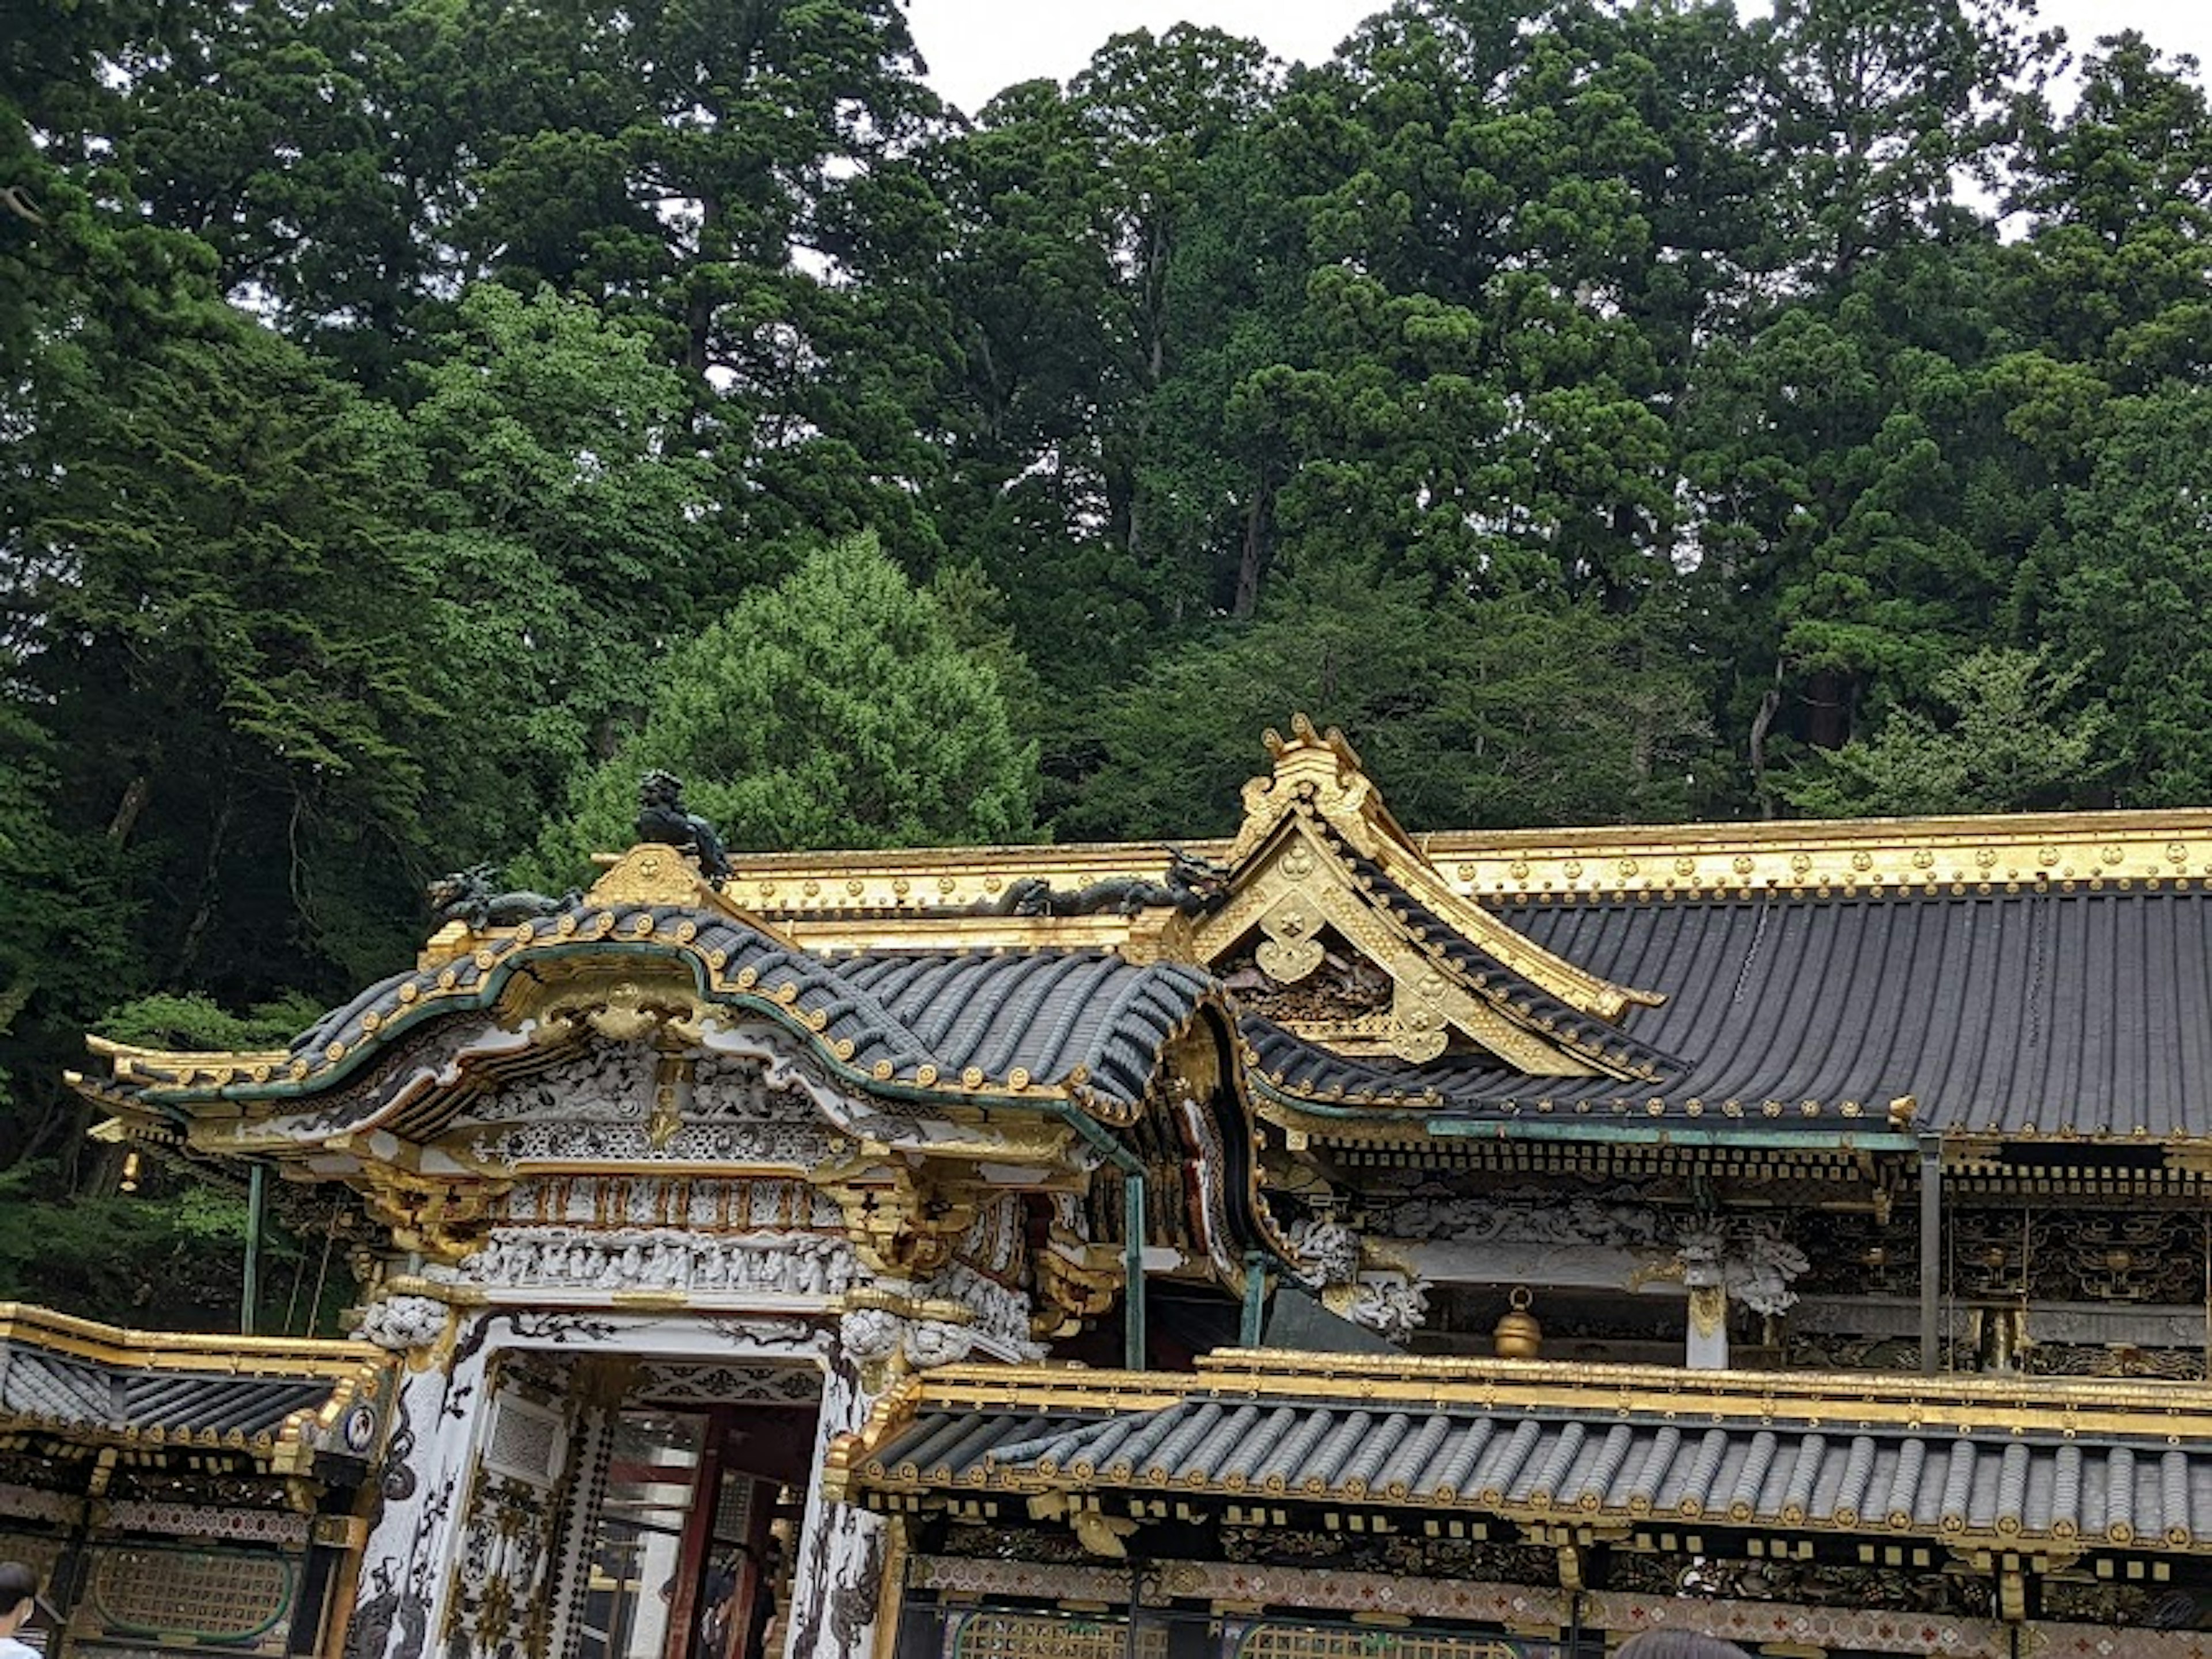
[165,1261]
[166,1019]
[2008,739]
[833,709]
[1475,711]
[2126,585]
[568,527]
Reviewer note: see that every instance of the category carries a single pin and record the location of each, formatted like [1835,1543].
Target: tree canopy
[419,416]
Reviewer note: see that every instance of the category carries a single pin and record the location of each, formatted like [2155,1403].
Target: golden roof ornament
[1517,1335]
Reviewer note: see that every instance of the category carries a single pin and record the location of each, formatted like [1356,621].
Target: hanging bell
[1517,1335]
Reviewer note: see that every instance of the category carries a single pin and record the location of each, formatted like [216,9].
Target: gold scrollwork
[906,1224]
[1291,948]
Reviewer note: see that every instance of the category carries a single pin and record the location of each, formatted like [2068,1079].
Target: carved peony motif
[1750,1259]
[1329,1249]
[1620,1224]
[400,1323]
[1391,1307]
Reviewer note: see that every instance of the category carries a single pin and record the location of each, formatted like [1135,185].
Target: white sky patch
[976,48]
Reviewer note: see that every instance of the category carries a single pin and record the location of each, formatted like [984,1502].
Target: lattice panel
[734,1511]
[525,1443]
[1316,1642]
[41,1554]
[209,1596]
[1042,1636]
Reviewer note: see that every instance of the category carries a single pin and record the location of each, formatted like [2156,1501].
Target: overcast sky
[975,48]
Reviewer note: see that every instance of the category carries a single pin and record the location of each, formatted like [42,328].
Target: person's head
[1665,1643]
[19,1597]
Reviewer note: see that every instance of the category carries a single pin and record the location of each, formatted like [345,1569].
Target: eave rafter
[1609,1448]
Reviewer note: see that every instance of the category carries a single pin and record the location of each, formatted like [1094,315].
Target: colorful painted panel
[1941,1635]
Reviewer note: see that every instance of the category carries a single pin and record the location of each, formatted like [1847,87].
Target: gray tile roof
[1086,1020]
[2053,1012]
[42,1389]
[1987,1484]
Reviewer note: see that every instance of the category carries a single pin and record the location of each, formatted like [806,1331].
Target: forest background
[417,415]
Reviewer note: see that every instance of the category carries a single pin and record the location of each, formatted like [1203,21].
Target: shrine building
[1333,1241]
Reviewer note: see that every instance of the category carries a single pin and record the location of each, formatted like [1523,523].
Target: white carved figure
[1329,1247]
[934,1342]
[1002,1316]
[399,1322]
[870,1334]
[1391,1306]
[1621,1220]
[1761,1268]
[811,1265]
[1751,1260]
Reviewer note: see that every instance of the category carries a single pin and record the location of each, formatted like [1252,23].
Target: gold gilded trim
[2016,852]
[114,1344]
[2169,1414]
[851,893]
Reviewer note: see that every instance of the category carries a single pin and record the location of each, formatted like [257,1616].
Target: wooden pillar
[698,1543]
[1931,1253]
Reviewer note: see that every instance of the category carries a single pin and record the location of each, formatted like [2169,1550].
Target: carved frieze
[708,1203]
[677,1383]
[664,1259]
[1620,1219]
[795,1146]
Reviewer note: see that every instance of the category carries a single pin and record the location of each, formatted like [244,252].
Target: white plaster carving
[611,1083]
[630,1259]
[1389,1305]
[407,1565]
[785,1066]
[869,1336]
[400,1323]
[839,1571]
[1002,1315]
[1209,1202]
[1750,1259]
[1620,1222]
[672,1382]
[798,1145]
[996,1240]
[1329,1247]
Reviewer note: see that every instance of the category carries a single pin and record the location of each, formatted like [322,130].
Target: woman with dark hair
[1666,1643]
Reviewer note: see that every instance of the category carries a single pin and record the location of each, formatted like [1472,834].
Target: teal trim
[1580,1126]
[1133,1229]
[249,1292]
[287,1594]
[1249,1325]
[172,1097]
[1672,1134]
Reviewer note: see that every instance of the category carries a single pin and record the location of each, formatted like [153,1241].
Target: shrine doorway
[689,1549]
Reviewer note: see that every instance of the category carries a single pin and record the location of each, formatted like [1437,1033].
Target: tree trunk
[1252,557]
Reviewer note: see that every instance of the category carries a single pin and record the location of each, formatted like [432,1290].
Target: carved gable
[1338,928]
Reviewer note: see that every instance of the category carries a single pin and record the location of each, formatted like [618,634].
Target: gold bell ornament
[1518,1336]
